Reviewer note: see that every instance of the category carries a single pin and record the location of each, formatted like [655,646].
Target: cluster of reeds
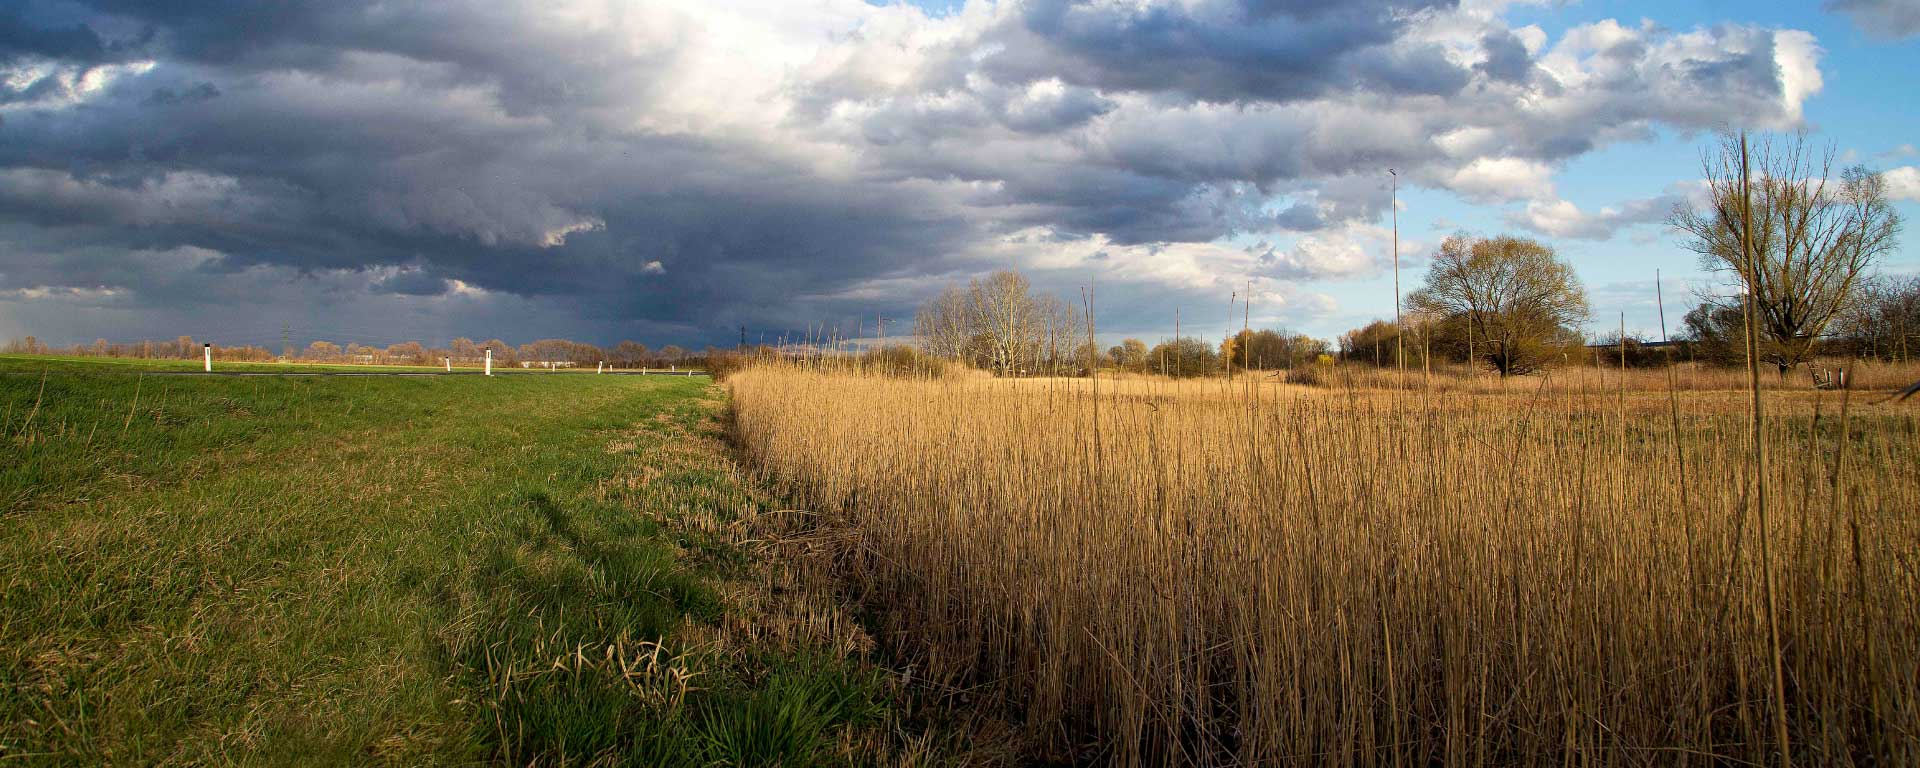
[1236,574]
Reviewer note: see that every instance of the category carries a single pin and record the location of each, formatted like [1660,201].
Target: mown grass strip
[411,571]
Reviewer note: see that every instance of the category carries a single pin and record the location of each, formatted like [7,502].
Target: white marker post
[449,362]
[208,349]
[489,362]
[601,368]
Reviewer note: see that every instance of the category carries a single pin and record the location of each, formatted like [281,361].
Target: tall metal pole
[1400,345]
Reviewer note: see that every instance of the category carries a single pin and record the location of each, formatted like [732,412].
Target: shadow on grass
[573,650]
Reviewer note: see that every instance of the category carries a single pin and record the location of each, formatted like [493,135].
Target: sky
[671,171]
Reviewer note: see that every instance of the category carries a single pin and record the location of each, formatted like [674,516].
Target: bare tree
[1001,325]
[323,350]
[629,353]
[1515,298]
[407,351]
[942,323]
[1883,320]
[1810,239]
[1002,309]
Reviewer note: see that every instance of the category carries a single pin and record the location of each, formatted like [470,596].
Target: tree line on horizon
[1511,305]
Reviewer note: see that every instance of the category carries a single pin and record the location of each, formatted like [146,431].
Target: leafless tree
[1000,324]
[1883,320]
[1002,308]
[1811,238]
[323,350]
[1516,299]
[629,353]
[942,323]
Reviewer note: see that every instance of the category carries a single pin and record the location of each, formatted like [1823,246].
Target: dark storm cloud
[411,282]
[690,168]
[166,97]
[1507,57]
[20,37]
[1252,51]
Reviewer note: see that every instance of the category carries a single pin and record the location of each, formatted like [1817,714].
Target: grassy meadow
[103,364]
[807,567]
[16,364]
[410,571]
[1563,570]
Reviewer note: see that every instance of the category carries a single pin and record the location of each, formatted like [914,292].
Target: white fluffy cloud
[1500,179]
[1903,183]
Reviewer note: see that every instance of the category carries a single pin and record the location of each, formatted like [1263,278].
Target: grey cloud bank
[673,170]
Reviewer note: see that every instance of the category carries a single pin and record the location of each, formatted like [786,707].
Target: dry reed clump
[1278,575]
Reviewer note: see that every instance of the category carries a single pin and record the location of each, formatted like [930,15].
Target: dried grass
[1277,574]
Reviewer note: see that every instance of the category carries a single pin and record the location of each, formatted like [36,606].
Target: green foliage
[1372,344]
[1129,355]
[1716,333]
[1183,357]
[786,720]
[1271,350]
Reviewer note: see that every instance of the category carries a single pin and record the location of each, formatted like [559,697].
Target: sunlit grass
[449,570]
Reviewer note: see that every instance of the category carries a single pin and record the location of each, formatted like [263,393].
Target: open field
[571,569]
[92,364]
[449,570]
[1148,572]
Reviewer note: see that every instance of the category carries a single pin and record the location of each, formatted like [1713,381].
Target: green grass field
[89,364]
[415,571]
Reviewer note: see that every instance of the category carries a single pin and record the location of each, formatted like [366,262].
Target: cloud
[684,166]
[1560,218]
[1251,50]
[1880,19]
[1903,183]
[411,282]
[1499,179]
[1352,252]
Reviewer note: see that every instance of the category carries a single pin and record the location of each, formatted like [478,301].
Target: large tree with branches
[1811,238]
[999,323]
[1516,300]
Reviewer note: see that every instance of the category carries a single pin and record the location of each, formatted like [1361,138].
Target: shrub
[720,365]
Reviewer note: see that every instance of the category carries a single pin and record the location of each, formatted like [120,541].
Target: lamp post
[1399,344]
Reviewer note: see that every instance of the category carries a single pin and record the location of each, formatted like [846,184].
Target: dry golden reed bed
[1198,574]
